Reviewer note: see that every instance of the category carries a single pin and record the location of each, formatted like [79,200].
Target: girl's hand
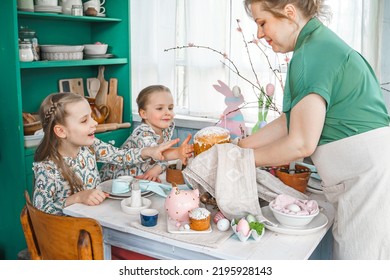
[152,174]
[185,150]
[91,197]
[156,152]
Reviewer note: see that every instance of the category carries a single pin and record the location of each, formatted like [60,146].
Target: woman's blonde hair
[53,112]
[309,8]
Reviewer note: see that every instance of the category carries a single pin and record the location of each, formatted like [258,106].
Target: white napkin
[229,174]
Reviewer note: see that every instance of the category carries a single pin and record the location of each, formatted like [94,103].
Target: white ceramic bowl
[95,48]
[126,206]
[61,48]
[292,220]
[62,55]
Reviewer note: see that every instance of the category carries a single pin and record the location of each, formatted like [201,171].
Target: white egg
[223,224]
[293,207]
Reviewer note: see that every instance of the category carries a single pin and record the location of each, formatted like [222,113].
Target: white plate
[314,186]
[106,187]
[92,56]
[316,224]
[172,228]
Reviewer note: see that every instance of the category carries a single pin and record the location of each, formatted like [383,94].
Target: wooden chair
[52,237]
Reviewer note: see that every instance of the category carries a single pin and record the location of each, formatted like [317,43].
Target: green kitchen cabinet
[23,86]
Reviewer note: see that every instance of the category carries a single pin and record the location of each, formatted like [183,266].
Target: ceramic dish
[96,56]
[252,233]
[107,185]
[314,186]
[125,206]
[319,222]
[61,48]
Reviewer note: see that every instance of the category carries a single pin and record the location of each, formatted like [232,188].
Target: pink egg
[218,216]
[243,226]
[270,89]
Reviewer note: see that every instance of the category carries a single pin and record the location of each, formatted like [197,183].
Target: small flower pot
[174,175]
[298,180]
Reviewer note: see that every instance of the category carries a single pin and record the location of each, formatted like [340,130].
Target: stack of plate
[48,9]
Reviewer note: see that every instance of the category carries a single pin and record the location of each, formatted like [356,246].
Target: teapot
[179,202]
[98,113]
[67,5]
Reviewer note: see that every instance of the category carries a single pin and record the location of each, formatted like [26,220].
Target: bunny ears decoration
[232,118]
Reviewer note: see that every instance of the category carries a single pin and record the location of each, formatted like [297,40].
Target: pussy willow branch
[385,89]
[235,70]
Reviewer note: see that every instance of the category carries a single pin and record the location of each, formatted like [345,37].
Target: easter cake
[199,219]
[207,137]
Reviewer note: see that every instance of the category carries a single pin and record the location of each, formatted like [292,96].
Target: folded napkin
[158,188]
[229,174]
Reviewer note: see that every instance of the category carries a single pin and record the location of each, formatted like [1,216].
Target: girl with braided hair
[333,111]
[65,162]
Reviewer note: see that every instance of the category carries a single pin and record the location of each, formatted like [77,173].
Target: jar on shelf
[77,10]
[25,52]
[29,35]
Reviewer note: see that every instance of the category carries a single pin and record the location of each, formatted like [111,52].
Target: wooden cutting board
[71,85]
[101,96]
[115,103]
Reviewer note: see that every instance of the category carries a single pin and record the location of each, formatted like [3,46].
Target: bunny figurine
[232,118]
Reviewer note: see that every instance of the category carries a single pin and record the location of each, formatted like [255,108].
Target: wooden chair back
[52,237]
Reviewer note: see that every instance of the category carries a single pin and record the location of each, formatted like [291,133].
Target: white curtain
[359,23]
[211,23]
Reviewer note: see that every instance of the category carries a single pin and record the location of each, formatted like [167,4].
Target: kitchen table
[118,231]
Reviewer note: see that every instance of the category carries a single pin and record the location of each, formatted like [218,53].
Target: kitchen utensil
[72,85]
[98,112]
[115,103]
[101,96]
[93,86]
[111,126]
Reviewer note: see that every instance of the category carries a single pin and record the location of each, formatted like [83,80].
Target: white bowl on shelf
[61,48]
[32,140]
[62,55]
[95,48]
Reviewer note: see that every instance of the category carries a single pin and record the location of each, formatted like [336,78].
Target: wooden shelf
[72,63]
[63,17]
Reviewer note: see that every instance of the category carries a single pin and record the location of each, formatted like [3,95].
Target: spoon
[93,86]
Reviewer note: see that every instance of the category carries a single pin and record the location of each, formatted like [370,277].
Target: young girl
[155,107]
[65,166]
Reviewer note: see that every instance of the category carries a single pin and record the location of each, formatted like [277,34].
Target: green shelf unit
[25,84]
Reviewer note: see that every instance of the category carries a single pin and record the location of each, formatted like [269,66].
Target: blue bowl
[149,217]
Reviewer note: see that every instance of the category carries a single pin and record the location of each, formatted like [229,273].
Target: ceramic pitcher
[179,202]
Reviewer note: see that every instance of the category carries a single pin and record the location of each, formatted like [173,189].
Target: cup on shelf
[96,5]
[149,217]
[26,5]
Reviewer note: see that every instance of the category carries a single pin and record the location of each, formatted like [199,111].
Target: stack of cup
[94,8]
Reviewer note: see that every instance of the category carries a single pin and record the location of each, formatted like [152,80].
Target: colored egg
[243,227]
[250,218]
[293,207]
[223,224]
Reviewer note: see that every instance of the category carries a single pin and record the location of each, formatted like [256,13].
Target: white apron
[355,173]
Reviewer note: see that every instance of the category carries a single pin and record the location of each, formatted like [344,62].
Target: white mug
[99,2]
[95,5]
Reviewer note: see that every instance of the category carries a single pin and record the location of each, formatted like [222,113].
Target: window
[191,73]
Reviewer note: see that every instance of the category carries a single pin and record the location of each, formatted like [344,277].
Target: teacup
[120,186]
[95,5]
[149,217]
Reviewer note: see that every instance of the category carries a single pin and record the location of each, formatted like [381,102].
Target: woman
[333,111]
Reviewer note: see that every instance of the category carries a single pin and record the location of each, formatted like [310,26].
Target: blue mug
[149,217]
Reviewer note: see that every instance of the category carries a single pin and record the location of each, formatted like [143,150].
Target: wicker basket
[30,128]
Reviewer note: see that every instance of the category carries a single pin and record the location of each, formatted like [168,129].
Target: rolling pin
[111,126]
